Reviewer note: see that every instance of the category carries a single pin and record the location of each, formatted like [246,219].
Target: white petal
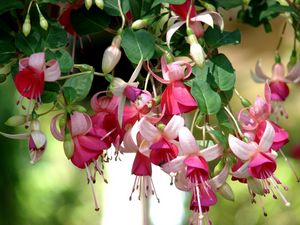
[242,172]
[175,165]
[129,141]
[16,136]
[172,128]
[241,149]
[212,152]
[205,18]
[39,139]
[294,74]
[52,73]
[136,71]
[121,110]
[266,140]
[37,61]
[149,131]
[172,30]
[259,76]
[117,86]
[187,142]
[220,179]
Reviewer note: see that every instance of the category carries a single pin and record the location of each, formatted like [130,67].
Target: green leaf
[112,9]
[81,84]
[137,45]
[7,52]
[89,21]
[273,10]
[63,57]
[135,8]
[56,36]
[30,44]
[175,2]
[208,101]
[7,5]
[215,38]
[229,4]
[50,92]
[222,71]
[70,94]
[220,137]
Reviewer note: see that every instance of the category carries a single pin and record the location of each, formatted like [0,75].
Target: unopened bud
[293,60]
[139,24]
[68,146]
[245,102]
[226,192]
[196,51]
[26,28]
[111,56]
[16,120]
[88,4]
[62,122]
[255,185]
[35,125]
[99,4]
[43,22]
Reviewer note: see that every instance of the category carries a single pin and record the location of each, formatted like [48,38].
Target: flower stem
[189,14]
[122,15]
[234,121]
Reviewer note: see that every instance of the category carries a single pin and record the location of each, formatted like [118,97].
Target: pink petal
[212,152]
[58,134]
[141,165]
[279,90]
[156,76]
[52,73]
[81,123]
[204,17]
[171,31]
[37,61]
[294,74]
[149,131]
[92,143]
[174,165]
[219,179]
[39,139]
[197,168]
[241,149]
[129,140]
[182,182]
[172,128]
[246,120]
[23,63]
[121,110]
[187,142]
[259,76]
[266,141]
[242,172]
[261,166]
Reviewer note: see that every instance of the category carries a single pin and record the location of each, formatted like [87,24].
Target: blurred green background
[53,192]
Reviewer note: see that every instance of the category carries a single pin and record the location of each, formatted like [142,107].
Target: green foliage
[215,38]
[8,50]
[112,9]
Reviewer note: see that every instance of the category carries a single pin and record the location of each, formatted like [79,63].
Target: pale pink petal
[81,123]
[294,74]
[171,31]
[156,76]
[23,63]
[149,131]
[37,61]
[58,134]
[117,86]
[136,71]
[204,17]
[181,181]
[241,149]
[242,172]
[172,128]
[121,110]
[16,136]
[144,148]
[129,141]
[164,68]
[174,165]
[219,179]
[52,73]
[212,152]
[266,140]
[101,103]
[218,19]
[187,142]
[259,76]
[39,139]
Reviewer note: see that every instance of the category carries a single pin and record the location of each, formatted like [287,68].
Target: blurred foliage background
[53,192]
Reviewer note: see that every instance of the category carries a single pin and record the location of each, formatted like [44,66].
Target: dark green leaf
[137,45]
[222,71]
[70,94]
[7,51]
[135,8]
[7,5]
[175,2]
[56,36]
[276,9]
[112,9]
[215,38]
[48,96]
[220,137]
[81,84]
[89,21]
[229,4]
[208,101]
[201,73]
[30,44]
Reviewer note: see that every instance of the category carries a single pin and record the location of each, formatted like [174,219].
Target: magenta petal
[162,152]
[197,168]
[81,123]
[92,143]
[279,90]
[141,165]
[261,166]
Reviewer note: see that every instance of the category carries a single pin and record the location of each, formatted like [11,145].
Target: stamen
[100,171]
[286,202]
[133,188]
[261,204]
[154,190]
[92,186]
[290,165]
[200,218]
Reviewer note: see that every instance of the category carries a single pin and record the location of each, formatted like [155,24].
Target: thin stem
[153,86]
[48,111]
[234,121]
[290,165]
[147,81]
[189,14]
[72,75]
[99,74]
[194,120]
[281,37]
[122,15]
[29,7]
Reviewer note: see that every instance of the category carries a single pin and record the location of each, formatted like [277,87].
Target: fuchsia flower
[33,72]
[259,160]
[278,81]
[161,139]
[176,98]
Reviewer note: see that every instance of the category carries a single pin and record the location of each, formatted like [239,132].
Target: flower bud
[16,120]
[68,146]
[35,125]
[88,4]
[111,55]
[99,4]
[226,192]
[26,28]
[139,24]
[245,102]
[196,51]
[43,22]
[256,186]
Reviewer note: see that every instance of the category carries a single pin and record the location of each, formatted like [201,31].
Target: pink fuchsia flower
[259,160]
[161,139]
[208,17]
[141,167]
[176,98]
[278,81]
[33,72]
[112,55]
